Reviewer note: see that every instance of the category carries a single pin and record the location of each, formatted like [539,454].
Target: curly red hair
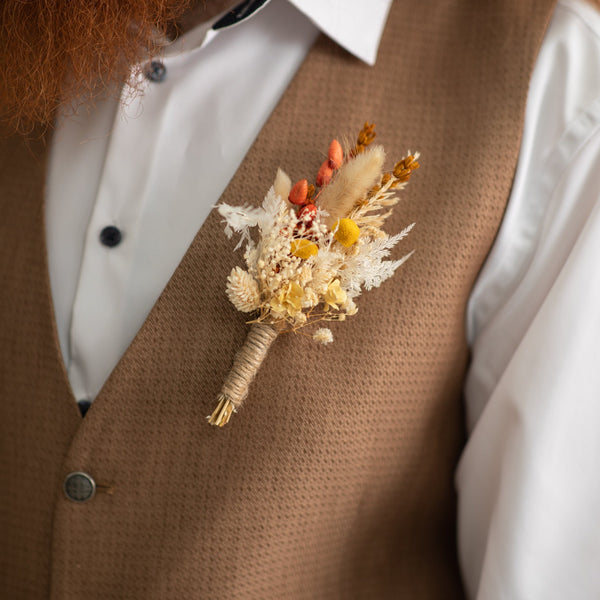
[54,52]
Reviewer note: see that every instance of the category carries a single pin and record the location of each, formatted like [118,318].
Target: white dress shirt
[527,479]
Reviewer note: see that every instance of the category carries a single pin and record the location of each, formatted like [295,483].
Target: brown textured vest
[336,479]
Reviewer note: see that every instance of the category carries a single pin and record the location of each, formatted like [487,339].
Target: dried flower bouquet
[318,247]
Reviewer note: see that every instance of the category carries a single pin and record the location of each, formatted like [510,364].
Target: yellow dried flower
[334,295]
[346,232]
[303,248]
[288,300]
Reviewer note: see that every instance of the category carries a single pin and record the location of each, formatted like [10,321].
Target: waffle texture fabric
[335,480]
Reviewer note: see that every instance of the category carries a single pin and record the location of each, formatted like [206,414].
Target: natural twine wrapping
[246,363]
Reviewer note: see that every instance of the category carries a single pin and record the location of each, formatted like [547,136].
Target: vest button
[79,487]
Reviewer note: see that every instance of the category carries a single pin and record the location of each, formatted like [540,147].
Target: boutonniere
[317,248]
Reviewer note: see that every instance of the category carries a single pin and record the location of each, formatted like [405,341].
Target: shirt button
[111,236]
[155,71]
[79,487]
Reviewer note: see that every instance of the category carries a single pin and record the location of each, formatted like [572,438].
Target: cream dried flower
[242,290]
[349,307]
[323,336]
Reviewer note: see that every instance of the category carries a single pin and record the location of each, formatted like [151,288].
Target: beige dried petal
[282,184]
[242,290]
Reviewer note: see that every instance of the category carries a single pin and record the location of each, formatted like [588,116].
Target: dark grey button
[155,71]
[79,487]
[111,236]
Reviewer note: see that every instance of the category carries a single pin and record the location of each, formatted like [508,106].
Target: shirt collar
[356,25]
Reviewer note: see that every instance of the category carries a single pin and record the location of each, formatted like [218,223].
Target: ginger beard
[54,53]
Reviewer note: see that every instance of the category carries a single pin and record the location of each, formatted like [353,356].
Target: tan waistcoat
[335,481]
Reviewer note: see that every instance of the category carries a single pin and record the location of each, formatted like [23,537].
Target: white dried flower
[349,307]
[242,290]
[305,274]
[311,298]
[300,319]
[323,336]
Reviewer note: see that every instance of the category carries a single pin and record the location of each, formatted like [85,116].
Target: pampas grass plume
[351,184]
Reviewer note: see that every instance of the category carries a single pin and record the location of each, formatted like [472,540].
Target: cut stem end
[222,413]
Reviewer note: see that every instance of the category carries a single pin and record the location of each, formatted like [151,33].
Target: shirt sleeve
[529,478]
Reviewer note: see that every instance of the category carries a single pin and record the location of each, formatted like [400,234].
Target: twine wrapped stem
[246,363]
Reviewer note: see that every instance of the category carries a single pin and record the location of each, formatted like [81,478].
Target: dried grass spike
[365,138]
[351,184]
[404,168]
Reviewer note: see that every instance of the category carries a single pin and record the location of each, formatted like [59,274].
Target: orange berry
[325,173]
[335,155]
[307,213]
[299,193]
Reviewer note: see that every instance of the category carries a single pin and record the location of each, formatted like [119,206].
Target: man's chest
[342,469]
